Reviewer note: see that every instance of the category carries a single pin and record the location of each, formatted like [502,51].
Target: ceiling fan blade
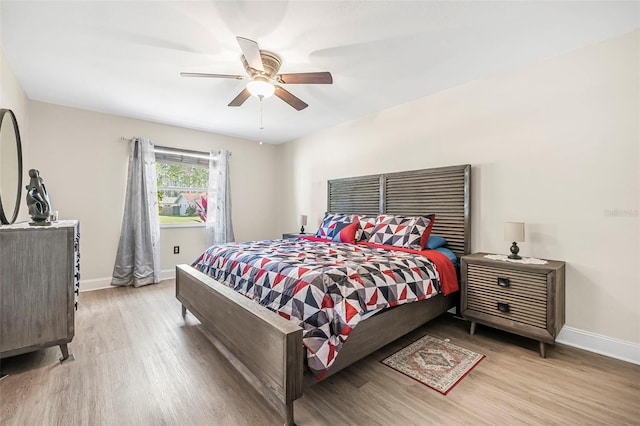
[239,100]
[289,98]
[200,74]
[251,53]
[306,78]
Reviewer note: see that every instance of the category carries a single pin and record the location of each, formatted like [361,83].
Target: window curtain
[219,228]
[138,259]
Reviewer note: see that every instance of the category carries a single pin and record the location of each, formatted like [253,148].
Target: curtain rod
[123,139]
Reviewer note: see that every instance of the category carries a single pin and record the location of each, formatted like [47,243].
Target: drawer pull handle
[503,307]
[503,282]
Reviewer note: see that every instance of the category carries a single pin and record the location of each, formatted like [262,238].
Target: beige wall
[13,97]
[554,144]
[84,164]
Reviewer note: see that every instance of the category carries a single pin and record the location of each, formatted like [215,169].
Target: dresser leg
[472,330]
[184,311]
[66,357]
[65,352]
[543,352]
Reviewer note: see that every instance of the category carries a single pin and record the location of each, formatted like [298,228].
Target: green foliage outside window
[182,175]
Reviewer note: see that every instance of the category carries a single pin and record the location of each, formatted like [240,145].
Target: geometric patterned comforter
[324,287]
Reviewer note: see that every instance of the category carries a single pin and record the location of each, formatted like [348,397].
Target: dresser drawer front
[516,295]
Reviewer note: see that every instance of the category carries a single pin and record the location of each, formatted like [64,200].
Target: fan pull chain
[261,113]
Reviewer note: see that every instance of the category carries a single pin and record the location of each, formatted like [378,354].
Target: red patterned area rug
[434,362]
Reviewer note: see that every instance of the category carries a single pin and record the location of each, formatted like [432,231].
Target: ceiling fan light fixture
[261,88]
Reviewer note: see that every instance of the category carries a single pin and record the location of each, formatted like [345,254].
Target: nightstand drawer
[505,305]
[524,284]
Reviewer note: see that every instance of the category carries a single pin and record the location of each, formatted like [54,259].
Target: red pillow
[346,232]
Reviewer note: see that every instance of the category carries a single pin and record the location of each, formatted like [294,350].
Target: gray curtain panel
[219,228]
[138,259]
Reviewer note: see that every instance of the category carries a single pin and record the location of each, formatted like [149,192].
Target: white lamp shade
[514,231]
[303,219]
[261,89]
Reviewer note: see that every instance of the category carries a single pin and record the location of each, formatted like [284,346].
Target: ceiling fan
[262,68]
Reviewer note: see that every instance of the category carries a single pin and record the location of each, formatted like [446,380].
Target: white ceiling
[124,58]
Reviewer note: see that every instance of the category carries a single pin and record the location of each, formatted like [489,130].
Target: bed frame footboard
[264,347]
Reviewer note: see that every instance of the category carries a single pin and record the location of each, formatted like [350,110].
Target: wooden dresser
[39,282]
[525,299]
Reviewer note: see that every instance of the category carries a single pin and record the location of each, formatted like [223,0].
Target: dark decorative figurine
[38,199]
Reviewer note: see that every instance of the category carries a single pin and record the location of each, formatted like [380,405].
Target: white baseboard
[102,283]
[597,343]
[600,344]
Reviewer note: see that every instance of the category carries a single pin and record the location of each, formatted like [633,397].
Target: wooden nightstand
[295,235]
[524,299]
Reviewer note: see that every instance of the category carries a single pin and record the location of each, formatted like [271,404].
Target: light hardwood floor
[139,363]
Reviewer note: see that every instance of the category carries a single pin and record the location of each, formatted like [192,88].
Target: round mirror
[10,167]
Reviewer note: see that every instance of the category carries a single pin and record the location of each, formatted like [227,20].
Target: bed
[268,349]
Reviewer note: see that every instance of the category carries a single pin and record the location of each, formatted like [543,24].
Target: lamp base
[302,229]
[514,251]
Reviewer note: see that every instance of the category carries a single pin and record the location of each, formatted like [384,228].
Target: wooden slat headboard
[444,191]
[356,194]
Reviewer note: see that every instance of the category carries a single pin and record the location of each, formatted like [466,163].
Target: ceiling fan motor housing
[270,62]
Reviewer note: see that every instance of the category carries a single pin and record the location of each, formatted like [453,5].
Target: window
[183,182]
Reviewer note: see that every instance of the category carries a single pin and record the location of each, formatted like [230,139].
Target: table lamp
[514,232]
[303,222]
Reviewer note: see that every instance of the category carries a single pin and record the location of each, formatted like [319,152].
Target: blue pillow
[451,255]
[435,241]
